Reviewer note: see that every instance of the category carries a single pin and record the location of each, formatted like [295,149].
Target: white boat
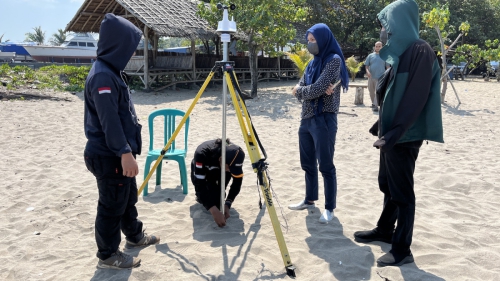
[81,48]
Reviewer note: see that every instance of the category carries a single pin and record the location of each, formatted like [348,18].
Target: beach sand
[49,198]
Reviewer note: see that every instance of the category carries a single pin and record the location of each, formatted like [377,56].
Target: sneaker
[390,260]
[119,260]
[145,241]
[372,235]
[326,216]
[301,206]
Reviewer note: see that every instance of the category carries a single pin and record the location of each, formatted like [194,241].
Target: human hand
[219,218]
[129,165]
[369,75]
[294,90]
[329,90]
[379,143]
[226,212]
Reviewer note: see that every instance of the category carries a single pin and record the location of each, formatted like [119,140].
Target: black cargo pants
[116,207]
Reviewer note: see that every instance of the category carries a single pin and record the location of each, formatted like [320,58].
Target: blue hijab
[328,48]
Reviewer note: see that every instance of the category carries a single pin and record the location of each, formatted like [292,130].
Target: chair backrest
[169,115]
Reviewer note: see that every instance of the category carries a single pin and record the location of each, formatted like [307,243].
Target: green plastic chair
[173,153]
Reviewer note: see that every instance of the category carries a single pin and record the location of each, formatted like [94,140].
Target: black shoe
[390,260]
[372,235]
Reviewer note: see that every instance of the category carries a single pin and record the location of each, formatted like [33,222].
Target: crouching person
[206,176]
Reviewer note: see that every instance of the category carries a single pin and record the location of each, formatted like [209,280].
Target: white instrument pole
[225,27]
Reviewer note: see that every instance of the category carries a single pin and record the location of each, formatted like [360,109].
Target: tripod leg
[177,130]
[259,167]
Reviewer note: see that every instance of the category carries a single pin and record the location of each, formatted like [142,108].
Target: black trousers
[116,207]
[395,179]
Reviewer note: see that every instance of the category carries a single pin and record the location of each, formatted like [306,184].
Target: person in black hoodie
[113,140]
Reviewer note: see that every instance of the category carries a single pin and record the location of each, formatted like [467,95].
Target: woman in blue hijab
[319,93]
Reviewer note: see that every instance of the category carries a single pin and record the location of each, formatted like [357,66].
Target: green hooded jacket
[411,107]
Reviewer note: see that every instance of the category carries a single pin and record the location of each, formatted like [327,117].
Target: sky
[18,17]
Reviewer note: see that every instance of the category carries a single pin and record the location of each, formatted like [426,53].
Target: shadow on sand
[346,259]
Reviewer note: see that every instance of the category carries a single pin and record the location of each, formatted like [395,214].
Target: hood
[118,40]
[401,20]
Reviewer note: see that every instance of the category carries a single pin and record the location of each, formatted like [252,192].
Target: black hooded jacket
[111,124]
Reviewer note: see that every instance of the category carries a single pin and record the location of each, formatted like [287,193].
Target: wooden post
[193,56]
[279,69]
[146,58]
[358,99]
[155,48]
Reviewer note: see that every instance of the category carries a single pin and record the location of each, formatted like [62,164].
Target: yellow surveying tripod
[253,144]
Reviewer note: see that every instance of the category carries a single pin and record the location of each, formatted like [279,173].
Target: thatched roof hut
[173,18]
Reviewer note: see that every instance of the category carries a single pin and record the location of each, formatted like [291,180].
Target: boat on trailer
[81,48]
[21,55]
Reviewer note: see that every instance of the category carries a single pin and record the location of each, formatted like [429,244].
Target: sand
[49,198]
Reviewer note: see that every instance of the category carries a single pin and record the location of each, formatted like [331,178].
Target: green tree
[438,19]
[38,36]
[266,24]
[481,15]
[475,56]
[58,38]
[353,22]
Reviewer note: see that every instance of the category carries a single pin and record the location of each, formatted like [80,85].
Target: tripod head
[226,26]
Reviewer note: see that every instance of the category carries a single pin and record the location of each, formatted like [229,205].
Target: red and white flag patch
[199,165]
[104,90]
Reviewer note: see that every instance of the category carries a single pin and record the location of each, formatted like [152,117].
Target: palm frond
[353,66]
[38,36]
[300,59]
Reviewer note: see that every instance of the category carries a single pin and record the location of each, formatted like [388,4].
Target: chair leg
[146,172]
[158,173]
[183,174]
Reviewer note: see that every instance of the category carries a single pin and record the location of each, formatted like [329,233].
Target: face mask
[313,48]
[383,36]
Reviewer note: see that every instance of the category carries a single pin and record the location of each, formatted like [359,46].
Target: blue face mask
[313,48]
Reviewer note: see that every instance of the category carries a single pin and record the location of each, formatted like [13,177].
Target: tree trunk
[443,72]
[206,44]
[254,70]
[444,85]
[358,98]
[217,45]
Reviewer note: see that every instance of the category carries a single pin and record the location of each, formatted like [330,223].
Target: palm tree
[300,58]
[353,66]
[38,36]
[1,37]
[58,38]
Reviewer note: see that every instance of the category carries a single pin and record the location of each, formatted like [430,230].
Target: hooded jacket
[111,124]
[411,107]
[206,173]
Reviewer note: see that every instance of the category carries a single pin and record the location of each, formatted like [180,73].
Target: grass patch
[57,77]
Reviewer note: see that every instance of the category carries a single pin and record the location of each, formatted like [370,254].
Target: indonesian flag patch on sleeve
[104,90]
[199,165]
